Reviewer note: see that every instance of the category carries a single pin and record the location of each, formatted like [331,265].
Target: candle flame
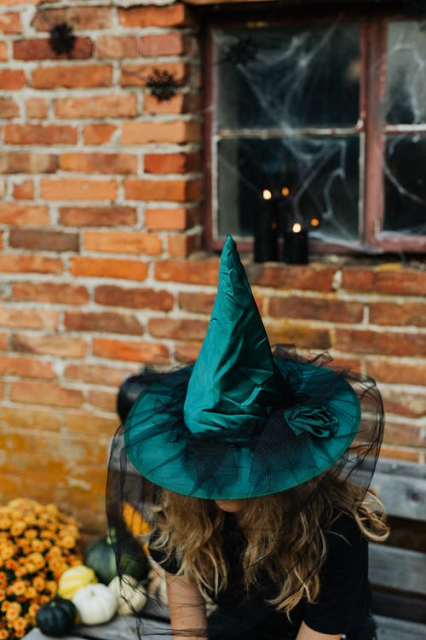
[297,227]
[266,194]
[285,191]
[315,222]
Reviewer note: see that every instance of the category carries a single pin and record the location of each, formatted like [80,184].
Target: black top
[343,601]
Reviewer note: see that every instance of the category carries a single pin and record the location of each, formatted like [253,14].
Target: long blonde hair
[284,534]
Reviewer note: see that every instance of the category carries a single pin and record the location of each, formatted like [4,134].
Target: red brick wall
[101,269]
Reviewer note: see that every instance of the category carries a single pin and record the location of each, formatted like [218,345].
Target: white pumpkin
[95,603]
[131,597]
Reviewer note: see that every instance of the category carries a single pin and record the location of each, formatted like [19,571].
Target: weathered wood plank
[392,629]
[398,568]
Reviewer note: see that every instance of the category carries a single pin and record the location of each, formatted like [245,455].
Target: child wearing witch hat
[253,466]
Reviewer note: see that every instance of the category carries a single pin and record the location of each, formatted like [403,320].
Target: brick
[75,77]
[176,15]
[134,298]
[187,352]
[97,374]
[178,131]
[143,353]
[283,276]
[117,47]
[111,216]
[36,108]
[405,434]
[305,337]
[177,104]
[26,368]
[137,75]
[182,246]
[53,345]
[399,314]
[23,190]
[123,242]
[28,318]
[105,106]
[396,371]
[396,343]
[404,403]
[392,280]
[172,162]
[12,79]
[53,292]
[98,133]
[84,422]
[398,453]
[181,329]
[17,162]
[168,219]
[106,322]
[162,190]
[170,44]
[8,108]
[187,271]
[327,309]
[102,163]
[78,189]
[82,18]
[103,400]
[18,214]
[42,240]
[46,393]
[4,55]
[197,302]
[109,268]
[50,134]
[10,23]
[30,419]
[40,49]
[17,263]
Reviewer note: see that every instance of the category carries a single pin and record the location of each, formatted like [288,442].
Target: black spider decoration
[241,52]
[162,85]
[62,38]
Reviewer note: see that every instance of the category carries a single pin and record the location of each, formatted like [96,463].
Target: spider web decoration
[243,51]
[162,85]
[62,38]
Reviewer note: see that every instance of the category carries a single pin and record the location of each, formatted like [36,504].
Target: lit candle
[266,229]
[295,250]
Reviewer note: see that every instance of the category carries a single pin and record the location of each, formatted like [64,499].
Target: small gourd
[100,556]
[73,579]
[57,617]
[96,604]
[131,596]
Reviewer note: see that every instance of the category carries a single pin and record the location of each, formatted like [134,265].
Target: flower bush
[37,544]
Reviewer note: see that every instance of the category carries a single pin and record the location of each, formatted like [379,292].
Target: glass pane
[311,180]
[406,74]
[405,185]
[288,77]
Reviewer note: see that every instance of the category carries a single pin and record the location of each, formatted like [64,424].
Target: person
[253,466]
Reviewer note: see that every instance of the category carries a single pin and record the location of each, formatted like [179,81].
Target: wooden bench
[398,568]
[397,574]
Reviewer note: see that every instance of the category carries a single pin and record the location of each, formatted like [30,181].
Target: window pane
[309,178]
[288,77]
[406,75]
[405,185]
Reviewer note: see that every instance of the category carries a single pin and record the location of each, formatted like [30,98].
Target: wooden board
[120,628]
[390,629]
[400,569]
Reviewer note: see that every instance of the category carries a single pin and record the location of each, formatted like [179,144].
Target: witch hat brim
[241,422]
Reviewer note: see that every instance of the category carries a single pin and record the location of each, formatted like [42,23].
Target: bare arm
[187,609]
[305,633]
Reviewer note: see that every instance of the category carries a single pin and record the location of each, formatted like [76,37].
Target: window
[320,122]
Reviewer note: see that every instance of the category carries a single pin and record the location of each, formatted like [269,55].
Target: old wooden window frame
[373,32]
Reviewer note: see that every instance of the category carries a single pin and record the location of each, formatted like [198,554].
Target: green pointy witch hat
[242,421]
[235,379]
